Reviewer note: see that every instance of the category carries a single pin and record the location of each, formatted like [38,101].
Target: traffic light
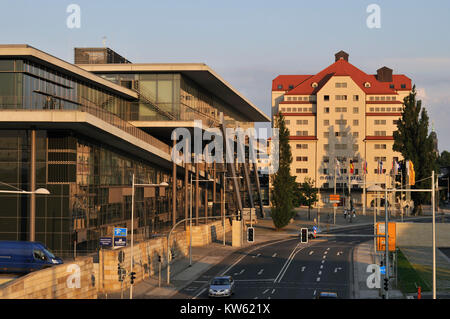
[132,277]
[304,235]
[159,258]
[250,234]
[386,284]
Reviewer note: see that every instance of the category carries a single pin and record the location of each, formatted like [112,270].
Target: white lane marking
[203,290]
[287,263]
[245,255]
[323,261]
[303,268]
[315,291]
[274,255]
[264,292]
[257,255]
[339,253]
[321,266]
[242,271]
[268,297]
[324,256]
[318,279]
[320,272]
[260,272]
[250,280]
[328,248]
[336,269]
[311,252]
[273,291]
[255,298]
[325,252]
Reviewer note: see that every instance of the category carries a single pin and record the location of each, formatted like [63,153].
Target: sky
[248,43]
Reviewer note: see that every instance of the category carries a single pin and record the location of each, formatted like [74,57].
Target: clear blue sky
[250,42]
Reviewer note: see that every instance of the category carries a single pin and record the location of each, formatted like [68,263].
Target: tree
[444,159]
[282,193]
[306,194]
[414,142]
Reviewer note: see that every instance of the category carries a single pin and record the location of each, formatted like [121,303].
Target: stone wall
[75,280]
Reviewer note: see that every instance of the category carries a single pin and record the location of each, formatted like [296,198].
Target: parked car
[25,256]
[221,287]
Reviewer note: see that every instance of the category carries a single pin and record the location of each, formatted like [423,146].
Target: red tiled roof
[287,80]
[344,68]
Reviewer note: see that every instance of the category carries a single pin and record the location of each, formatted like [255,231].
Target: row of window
[385,109]
[296,109]
[340,97]
[382,98]
[340,147]
[340,134]
[298,122]
[300,98]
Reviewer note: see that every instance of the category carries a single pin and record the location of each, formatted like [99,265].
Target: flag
[380,167]
[352,167]
[395,167]
[411,173]
[337,167]
[365,167]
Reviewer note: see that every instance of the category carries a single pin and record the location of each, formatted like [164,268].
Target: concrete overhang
[199,73]
[90,126]
[18,51]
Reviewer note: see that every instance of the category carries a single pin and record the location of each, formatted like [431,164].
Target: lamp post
[190,216]
[39,191]
[133,185]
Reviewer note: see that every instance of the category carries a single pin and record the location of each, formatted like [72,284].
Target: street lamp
[133,185]
[190,216]
[39,191]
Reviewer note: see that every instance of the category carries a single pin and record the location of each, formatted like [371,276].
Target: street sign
[381,241]
[334,198]
[120,232]
[383,270]
[105,241]
[120,241]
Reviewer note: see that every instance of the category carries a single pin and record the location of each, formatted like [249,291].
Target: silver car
[221,287]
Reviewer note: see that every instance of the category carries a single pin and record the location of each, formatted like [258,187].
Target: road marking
[203,290]
[328,248]
[237,261]
[260,272]
[303,268]
[287,263]
[311,252]
[264,292]
[339,253]
[326,252]
[324,256]
[323,261]
[318,279]
[336,269]
[320,272]
[242,271]
[273,291]
[321,266]
[257,255]
[315,291]
[255,298]
[274,255]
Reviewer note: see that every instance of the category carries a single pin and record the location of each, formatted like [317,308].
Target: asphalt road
[287,269]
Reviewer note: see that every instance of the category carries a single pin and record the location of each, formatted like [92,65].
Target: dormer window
[367,85]
[391,86]
[403,86]
[314,84]
[291,86]
[280,86]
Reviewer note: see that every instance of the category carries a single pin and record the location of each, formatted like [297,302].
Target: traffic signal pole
[386,232]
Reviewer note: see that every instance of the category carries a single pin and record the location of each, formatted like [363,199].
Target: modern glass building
[77,134]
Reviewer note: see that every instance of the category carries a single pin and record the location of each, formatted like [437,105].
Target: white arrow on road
[303,268]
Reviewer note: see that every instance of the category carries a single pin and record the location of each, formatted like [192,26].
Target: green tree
[306,194]
[282,193]
[444,159]
[413,140]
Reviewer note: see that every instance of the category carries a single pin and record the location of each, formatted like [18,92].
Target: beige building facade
[338,116]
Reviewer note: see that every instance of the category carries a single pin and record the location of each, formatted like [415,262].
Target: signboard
[383,270]
[120,232]
[334,198]
[381,241]
[106,241]
[120,241]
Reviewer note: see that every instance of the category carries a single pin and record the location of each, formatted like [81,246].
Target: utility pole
[386,243]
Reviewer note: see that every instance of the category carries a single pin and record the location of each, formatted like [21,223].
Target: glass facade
[90,191]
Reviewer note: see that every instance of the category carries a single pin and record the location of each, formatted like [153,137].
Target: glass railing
[11,104]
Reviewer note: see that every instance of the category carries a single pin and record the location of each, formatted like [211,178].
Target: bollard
[419,292]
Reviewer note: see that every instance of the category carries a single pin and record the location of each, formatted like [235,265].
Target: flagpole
[364,189]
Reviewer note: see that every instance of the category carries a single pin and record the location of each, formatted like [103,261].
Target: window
[341,134]
[380,122]
[341,109]
[340,122]
[380,146]
[380,133]
[355,97]
[326,147]
[302,133]
[371,109]
[326,134]
[326,159]
[291,86]
[326,122]
[302,146]
[302,122]
[326,110]
[341,146]
[301,171]
[280,86]
[341,84]
[403,86]
[380,158]
[391,86]
[355,147]
[288,98]
[341,97]
[355,122]
[325,171]
[355,134]
[326,97]
[287,122]
[395,122]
